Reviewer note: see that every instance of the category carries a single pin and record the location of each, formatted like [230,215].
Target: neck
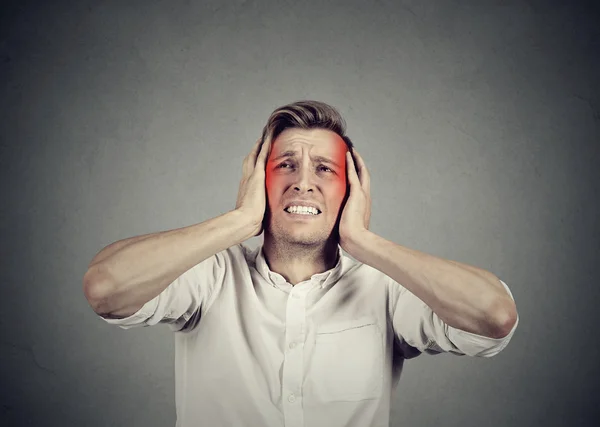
[296,262]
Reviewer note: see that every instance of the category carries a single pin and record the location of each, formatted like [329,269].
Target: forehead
[321,141]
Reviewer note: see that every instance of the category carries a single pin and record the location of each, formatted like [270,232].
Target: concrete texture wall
[479,122]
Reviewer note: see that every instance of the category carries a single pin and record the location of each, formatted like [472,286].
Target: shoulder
[355,273]
[237,255]
[356,269]
[234,257]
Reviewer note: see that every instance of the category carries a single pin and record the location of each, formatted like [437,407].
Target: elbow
[96,290]
[506,317]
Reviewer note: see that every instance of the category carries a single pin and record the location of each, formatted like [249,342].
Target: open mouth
[303,211]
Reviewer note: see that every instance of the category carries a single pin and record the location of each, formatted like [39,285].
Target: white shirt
[253,350]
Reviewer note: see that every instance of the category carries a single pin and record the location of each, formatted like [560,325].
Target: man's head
[306,167]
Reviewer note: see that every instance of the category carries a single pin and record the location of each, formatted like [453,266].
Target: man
[296,333]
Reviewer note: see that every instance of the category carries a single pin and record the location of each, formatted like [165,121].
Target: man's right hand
[251,199]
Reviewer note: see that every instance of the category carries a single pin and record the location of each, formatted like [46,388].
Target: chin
[304,239]
[301,238]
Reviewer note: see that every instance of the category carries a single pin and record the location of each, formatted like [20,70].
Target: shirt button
[292,345]
[291,398]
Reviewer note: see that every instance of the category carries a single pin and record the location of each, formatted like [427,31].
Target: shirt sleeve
[181,305]
[420,330]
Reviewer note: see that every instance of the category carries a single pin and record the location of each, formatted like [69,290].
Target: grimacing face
[305,167]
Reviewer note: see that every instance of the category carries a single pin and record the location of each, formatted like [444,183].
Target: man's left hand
[357,210]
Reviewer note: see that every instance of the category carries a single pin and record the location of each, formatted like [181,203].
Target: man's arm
[127,274]
[121,282]
[465,297]
[116,246]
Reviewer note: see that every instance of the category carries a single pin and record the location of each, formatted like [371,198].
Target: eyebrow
[318,159]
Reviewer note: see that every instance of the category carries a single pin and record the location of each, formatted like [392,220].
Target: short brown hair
[306,114]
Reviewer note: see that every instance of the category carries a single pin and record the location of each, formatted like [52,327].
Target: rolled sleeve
[139,318]
[181,304]
[417,326]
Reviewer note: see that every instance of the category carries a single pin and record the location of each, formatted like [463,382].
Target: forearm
[117,246]
[121,282]
[463,296]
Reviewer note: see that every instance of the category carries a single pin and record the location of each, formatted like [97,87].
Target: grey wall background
[479,122]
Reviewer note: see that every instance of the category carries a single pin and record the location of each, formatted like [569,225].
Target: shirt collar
[325,279]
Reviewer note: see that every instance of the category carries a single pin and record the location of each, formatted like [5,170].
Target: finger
[254,151]
[363,172]
[250,159]
[264,152]
[351,169]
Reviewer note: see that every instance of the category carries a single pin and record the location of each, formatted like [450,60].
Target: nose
[304,183]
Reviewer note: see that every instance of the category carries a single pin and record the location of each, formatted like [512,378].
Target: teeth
[302,210]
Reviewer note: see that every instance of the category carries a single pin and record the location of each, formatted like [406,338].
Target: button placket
[293,369]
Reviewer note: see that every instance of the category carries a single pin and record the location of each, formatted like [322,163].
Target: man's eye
[283,165]
[325,168]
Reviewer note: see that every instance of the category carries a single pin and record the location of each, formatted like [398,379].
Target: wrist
[357,243]
[246,222]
